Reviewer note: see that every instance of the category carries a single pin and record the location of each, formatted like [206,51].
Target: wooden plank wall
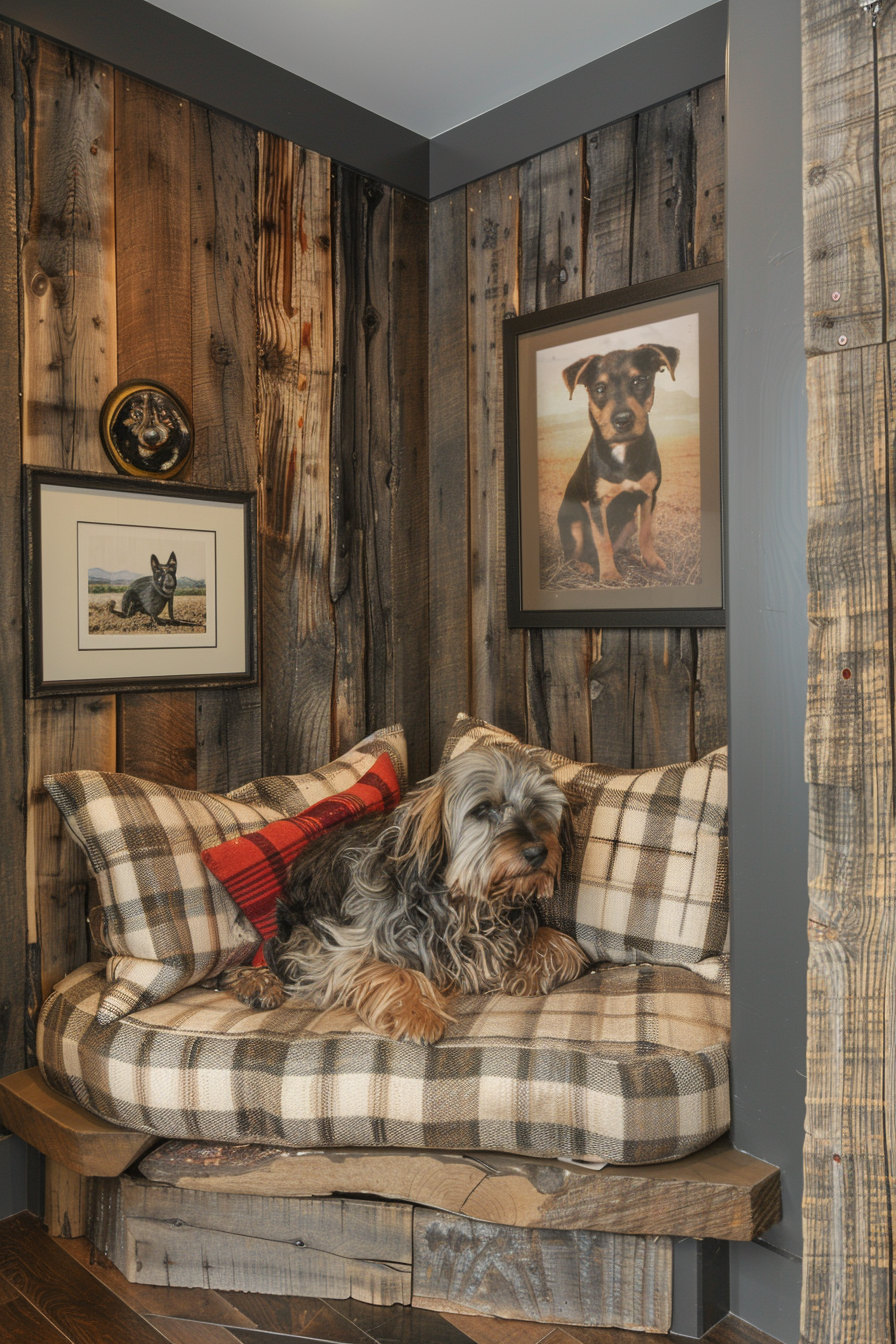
[633,201]
[849,65]
[285,300]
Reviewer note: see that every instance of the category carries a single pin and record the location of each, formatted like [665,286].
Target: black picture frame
[583,603]
[242,575]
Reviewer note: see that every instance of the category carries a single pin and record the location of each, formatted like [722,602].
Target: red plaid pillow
[254,868]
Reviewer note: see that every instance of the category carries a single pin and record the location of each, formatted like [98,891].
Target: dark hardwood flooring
[54,1291]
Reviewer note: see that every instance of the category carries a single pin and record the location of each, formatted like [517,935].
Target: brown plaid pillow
[647,879]
[168,922]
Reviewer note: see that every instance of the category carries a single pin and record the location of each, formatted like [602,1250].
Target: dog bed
[628,1064]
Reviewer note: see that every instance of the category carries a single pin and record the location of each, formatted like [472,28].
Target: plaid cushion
[628,1064]
[255,868]
[167,920]
[647,879]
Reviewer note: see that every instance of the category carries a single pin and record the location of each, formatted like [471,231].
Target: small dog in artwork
[393,916]
[620,471]
[151,594]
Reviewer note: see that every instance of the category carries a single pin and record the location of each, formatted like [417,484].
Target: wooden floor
[64,1292]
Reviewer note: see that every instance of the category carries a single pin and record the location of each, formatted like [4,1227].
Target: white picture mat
[62,507]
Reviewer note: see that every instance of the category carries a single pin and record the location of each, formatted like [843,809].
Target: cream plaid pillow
[167,921]
[647,879]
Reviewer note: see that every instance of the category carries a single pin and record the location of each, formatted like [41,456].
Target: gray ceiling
[430,66]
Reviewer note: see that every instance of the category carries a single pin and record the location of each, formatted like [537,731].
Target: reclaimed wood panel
[709,210]
[840,204]
[551,272]
[13,910]
[295,380]
[710,691]
[157,731]
[65,120]
[409,561]
[848,1281]
[449,559]
[361,501]
[223,266]
[64,1131]
[665,191]
[498,653]
[718,1192]
[610,167]
[579,1278]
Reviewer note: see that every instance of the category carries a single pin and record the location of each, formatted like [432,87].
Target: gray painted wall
[768,632]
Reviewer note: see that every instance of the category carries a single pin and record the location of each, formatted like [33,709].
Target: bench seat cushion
[628,1064]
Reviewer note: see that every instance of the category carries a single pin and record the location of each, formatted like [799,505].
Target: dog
[151,594]
[620,470]
[392,917]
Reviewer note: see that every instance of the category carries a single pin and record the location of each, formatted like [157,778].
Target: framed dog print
[136,586]
[613,458]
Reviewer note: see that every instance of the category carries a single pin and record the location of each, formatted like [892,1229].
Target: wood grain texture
[709,211]
[710,692]
[497,652]
[842,237]
[665,191]
[849,1150]
[64,733]
[65,118]
[156,732]
[449,560]
[718,1192]
[610,169]
[408,381]
[66,1197]
[295,380]
[585,1278]
[64,1131]
[551,272]
[62,1291]
[13,912]
[223,266]
[22,1323]
[361,502]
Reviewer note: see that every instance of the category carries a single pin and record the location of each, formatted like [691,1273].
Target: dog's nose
[535,855]
[623,419]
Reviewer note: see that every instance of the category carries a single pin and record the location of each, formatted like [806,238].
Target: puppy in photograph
[393,916]
[620,471]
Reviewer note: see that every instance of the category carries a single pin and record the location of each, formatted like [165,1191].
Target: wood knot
[817,174]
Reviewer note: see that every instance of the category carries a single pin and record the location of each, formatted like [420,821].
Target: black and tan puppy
[620,471]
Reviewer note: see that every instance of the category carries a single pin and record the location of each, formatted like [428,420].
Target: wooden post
[66,1199]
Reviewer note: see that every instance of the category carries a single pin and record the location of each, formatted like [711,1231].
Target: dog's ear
[421,832]
[154,562]
[667,357]
[172,560]
[573,375]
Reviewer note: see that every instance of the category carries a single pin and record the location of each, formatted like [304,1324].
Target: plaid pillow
[647,879]
[254,868]
[168,921]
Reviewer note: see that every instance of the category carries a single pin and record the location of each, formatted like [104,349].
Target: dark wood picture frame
[626,309]
[36,683]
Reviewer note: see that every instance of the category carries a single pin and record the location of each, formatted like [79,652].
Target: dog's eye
[600,389]
[482,812]
[638,382]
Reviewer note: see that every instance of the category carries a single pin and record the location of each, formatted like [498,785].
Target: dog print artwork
[139,586]
[618,443]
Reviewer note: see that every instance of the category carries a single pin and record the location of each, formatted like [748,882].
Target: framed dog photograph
[132,585]
[613,458]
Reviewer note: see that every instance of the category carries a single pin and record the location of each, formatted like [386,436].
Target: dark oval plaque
[146,430]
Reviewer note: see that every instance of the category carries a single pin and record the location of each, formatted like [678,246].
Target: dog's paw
[551,959]
[256,986]
[583,567]
[608,575]
[400,1003]
[652,561]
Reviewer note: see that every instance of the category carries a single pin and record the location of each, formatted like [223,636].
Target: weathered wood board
[718,1192]
[330,1248]
[577,1278]
[63,1131]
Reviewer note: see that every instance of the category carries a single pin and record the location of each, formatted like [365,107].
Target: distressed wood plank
[611,689]
[710,692]
[65,1200]
[157,736]
[849,1150]
[222,209]
[497,652]
[579,1278]
[295,381]
[157,732]
[65,115]
[361,500]
[709,136]
[408,376]
[13,910]
[665,191]
[449,578]
[551,272]
[611,179]
[663,676]
[842,240]
[64,733]
[718,1192]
